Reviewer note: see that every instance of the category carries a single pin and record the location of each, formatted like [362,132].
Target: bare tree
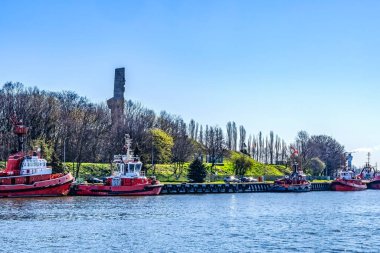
[261,147]
[234,137]
[284,150]
[271,146]
[242,134]
[266,150]
[201,135]
[301,144]
[215,146]
[196,132]
[249,145]
[229,140]
[207,136]
[182,148]
[192,128]
[277,147]
[254,148]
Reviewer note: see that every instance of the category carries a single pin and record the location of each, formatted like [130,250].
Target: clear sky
[268,65]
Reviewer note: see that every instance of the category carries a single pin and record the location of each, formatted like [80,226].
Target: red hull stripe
[55,191]
[36,188]
[121,192]
[338,186]
[374,185]
[86,190]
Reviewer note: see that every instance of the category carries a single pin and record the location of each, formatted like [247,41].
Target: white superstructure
[33,165]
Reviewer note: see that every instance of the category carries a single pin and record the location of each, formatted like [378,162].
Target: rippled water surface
[251,222]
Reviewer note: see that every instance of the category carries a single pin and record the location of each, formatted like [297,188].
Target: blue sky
[268,65]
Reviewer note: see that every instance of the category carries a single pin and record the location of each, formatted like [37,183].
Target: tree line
[68,127]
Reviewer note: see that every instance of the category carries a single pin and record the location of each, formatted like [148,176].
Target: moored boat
[296,182]
[129,180]
[347,180]
[370,175]
[26,175]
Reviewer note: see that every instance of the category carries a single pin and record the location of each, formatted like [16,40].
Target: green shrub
[241,164]
[197,171]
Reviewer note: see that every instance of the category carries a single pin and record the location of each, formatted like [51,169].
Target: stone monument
[116,103]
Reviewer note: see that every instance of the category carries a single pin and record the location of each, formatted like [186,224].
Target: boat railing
[117,159]
[125,158]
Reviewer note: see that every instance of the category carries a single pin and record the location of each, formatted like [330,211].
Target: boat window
[131,168]
[121,168]
[138,167]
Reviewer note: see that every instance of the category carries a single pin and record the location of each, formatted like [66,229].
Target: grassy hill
[257,169]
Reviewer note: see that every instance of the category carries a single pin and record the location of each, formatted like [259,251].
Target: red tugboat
[28,176]
[128,181]
[346,180]
[370,174]
[296,182]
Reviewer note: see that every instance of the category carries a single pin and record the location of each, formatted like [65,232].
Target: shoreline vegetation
[68,127]
[164,172]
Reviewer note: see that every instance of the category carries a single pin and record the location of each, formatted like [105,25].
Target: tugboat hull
[347,186]
[103,190]
[54,186]
[291,188]
[374,185]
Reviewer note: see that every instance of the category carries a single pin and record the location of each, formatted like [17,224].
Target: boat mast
[128,146]
[20,130]
[368,155]
[293,157]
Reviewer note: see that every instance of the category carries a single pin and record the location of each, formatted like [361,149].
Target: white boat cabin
[33,165]
[347,175]
[128,167]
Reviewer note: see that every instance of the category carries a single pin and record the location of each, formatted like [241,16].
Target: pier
[228,188]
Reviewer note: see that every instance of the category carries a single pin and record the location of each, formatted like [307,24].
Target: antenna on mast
[128,146]
[368,155]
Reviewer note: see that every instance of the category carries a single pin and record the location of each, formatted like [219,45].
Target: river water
[245,222]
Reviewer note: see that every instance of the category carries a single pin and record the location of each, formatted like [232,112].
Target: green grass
[91,169]
[321,181]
